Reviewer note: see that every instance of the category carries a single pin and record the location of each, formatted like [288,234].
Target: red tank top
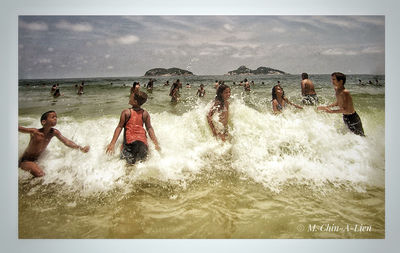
[134,130]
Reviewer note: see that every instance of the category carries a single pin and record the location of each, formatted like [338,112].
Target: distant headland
[168,72]
[243,70]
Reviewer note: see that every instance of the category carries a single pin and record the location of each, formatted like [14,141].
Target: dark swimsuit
[134,151]
[353,122]
[310,99]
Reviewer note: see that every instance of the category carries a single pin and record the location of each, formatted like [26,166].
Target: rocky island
[243,70]
[168,72]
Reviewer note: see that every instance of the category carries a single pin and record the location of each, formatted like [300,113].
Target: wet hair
[140,97]
[245,79]
[45,115]
[274,92]
[134,84]
[220,90]
[201,85]
[304,76]
[339,76]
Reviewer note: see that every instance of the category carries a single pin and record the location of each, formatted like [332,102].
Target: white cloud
[337,52]
[43,61]
[372,50]
[278,30]
[79,27]
[50,49]
[228,27]
[34,26]
[107,56]
[110,67]
[126,40]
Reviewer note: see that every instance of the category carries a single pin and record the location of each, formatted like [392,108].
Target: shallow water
[277,177]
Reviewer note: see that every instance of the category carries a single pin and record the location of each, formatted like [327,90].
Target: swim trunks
[133,152]
[353,122]
[26,159]
[310,99]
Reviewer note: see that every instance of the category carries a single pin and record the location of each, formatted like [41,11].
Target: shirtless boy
[308,91]
[345,103]
[40,138]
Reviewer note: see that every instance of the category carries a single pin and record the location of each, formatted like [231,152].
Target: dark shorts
[353,122]
[133,152]
[310,100]
[26,159]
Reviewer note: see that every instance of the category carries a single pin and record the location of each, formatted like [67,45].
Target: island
[243,70]
[168,72]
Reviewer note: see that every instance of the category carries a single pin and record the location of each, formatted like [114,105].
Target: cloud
[228,27]
[110,67]
[79,27]
[278,30]
[126,40]
[34,26]
[43,61]
[337,52]
[50,49]
[373,50]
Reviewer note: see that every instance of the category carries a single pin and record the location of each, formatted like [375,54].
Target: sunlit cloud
[78,27]
[34,26]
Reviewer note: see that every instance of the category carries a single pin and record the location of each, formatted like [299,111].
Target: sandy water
[300,174]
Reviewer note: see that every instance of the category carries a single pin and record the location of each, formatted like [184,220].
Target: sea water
[299,174]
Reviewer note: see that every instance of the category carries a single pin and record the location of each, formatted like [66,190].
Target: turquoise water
[279,174]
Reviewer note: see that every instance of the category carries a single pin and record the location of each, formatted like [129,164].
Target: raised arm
[67,142]
[290,103]
[150,130]
[117,131]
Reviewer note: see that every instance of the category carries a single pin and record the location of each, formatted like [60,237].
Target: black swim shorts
[133,152]
[353,122]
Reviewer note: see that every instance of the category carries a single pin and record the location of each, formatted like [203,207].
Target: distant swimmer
[246,85]
[345,103]
[150,85]
[307,91]
[57,93]
[166,83]
[53,88]
[135,146]
[188,85]
[216,84]
[174,91]
[220,106]
[360,82]
[135,87]
[279,100]
[201,92]
[80,88]
[40,138]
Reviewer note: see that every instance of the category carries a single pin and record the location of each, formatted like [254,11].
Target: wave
[302,147]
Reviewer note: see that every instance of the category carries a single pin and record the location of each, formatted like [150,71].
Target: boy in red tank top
[135,145]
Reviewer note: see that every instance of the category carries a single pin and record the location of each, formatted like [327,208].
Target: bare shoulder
[145,114]
[55,132]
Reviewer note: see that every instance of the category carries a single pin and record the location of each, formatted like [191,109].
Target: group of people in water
[55,89]
[135,146]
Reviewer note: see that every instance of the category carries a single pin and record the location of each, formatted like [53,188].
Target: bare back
[307,87]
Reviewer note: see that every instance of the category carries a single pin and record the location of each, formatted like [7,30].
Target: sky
[125,46]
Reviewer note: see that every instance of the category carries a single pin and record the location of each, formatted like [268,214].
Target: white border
[9,111]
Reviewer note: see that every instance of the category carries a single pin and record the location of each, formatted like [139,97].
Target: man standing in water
[308,91]
[345,103]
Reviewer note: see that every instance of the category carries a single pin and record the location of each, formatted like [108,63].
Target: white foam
[302,146]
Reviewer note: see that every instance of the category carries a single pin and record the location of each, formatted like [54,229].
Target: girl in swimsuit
[279,100]
[221,106]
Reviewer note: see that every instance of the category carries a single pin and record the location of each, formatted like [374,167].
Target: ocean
[299,174]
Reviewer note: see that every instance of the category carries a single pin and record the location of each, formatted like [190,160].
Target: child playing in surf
[174,91]
[40,138]
[135,145]
[279,100]
[201,92]
[221,105]
[345,103]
